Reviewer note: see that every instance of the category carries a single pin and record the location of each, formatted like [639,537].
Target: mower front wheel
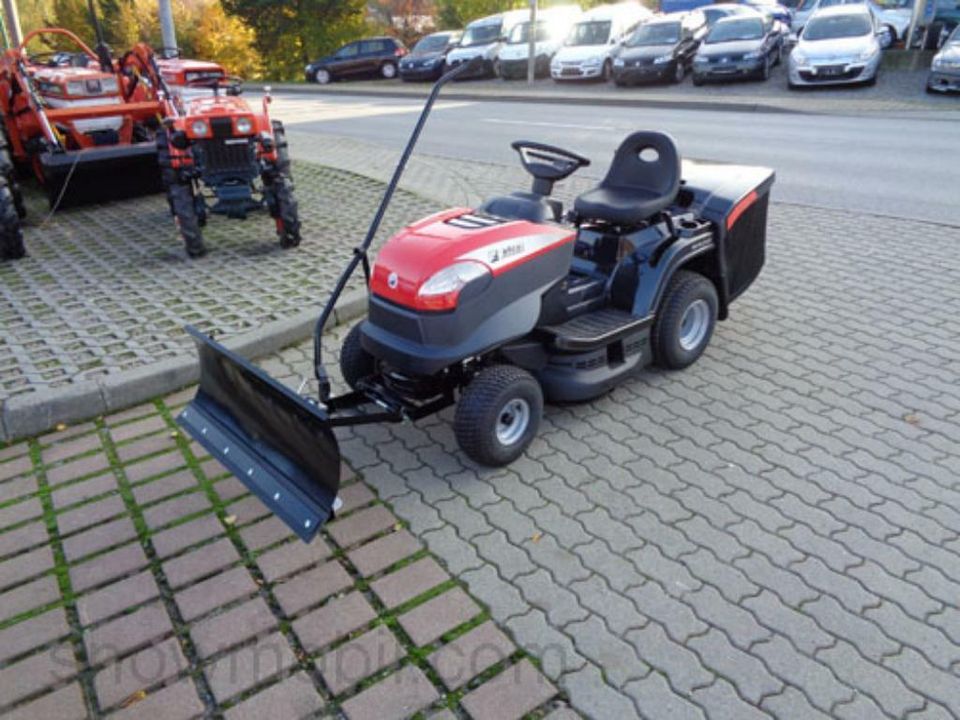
[355,362]
[183,203]
[684,325]
[498,415]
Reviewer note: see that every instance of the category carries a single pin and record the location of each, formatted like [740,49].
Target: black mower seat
[643,179]
[523,206]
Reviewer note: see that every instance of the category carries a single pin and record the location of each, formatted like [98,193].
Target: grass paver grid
[137,599]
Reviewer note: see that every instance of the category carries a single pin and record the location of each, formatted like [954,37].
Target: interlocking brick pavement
[179,609]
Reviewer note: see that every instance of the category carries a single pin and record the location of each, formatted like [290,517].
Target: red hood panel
[419,251]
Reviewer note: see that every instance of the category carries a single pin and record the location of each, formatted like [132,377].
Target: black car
[661,49]
[425,61]
[377,56]
[737,47]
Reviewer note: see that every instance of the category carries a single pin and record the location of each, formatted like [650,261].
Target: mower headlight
[442,290]
[663,59]
[244,126]
[200,128]
[109,86]
[76,88]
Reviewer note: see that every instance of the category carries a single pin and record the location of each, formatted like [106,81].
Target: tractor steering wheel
[546,162]
[230,84]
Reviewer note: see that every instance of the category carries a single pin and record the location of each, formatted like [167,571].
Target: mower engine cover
[459,283]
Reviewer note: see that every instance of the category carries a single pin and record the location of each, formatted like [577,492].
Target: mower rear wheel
[498,415]
[11,234]
[355,362]
[184,206]
[684,325]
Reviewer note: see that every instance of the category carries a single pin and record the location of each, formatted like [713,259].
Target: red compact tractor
[212,139]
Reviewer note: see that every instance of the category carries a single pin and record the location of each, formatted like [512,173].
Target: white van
[484,38]
[553,27]
[587,52]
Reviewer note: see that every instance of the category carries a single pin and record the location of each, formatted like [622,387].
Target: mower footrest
[594,329]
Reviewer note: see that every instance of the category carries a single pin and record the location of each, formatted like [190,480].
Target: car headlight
[866,55]
[700,60]
[307,68]
[798,57]
[755,55]
[662,59]
[244,126]
[618,62]
[200,128]
[938,63]
[595,60]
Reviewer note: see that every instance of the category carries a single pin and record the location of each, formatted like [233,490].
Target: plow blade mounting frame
[277,443]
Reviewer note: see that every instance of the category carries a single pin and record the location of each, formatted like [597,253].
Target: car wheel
[697,80]
[871,81]
[779,58]
[765,70]
[498,415]
[889,36]
[679,73]
[388,70]
[607,71]
[685,321]
[322,76]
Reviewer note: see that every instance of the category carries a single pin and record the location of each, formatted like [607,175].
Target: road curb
[512,97]
[33,413]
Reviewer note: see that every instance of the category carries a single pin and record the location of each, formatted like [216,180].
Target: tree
[452,14]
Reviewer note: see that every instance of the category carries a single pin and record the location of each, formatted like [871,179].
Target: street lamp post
[532,43]
[168,32]
[12,18]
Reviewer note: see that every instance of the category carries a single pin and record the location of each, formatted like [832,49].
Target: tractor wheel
[498,415]
[283,209]
[184,205]
[11,234]
[283,148]
[9,171]
[685,322]
[355,362]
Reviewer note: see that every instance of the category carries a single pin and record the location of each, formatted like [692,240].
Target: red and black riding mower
[213,140]
[498,309]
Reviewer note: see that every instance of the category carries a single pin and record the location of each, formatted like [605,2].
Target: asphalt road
[899,166]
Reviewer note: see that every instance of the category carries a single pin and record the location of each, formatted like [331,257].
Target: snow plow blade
[100,174]
[277,443]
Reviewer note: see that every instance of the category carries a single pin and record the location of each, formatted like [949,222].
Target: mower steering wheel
[546,162]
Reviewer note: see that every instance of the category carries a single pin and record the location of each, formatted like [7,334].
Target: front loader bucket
[99,174]
[277,443]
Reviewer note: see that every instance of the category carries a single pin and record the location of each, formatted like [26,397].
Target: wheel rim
[389,70]
[513,421]
[323,77]
[694,324]
[678,73]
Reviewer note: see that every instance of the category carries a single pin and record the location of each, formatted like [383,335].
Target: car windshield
[655,34]
[837,26]
[807,5]
[954,38]
[480,35]
[431,43]
[594,32]
[734,30]
[521,33]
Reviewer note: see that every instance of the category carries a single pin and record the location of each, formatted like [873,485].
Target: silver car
[945,68]
[839,45]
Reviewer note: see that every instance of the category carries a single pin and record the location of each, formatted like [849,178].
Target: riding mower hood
[497,309]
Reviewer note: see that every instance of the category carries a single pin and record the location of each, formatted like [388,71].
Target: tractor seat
[643,180]
[524,206]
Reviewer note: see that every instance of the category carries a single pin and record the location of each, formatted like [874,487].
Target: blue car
[772,7]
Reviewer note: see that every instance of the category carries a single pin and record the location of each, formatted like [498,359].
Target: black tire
[679,72]
[11,234]
[685,290]
[183,204]
[697,80]
[283,148]
[287,214]
[873,80]
[496,397]
[607,71]
[355,362]
[765,70]
[9,171]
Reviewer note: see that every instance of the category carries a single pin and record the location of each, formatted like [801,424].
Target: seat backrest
[648,161]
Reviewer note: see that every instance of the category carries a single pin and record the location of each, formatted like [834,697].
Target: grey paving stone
[17,466]
[70,448]
[112,599]
[156,465]
[265,533]
[200,562]
[98,538]
[34,594]
[145,446]
[32,633]
[408,582]
[166,512]
[361,525]
[678,663]
[153,423]
[87,465]
[722,701]
[110,565]
[25,566]
[292,557]
[213,592]
[597,643]
[358,659]
[15,514]
[299,592]
[164,487]
[467,656]
[428,621]
[231,627]
[289,699]
[249,666]
[383,552]
[247,510]
[173,540]
[354,496]
[65,495]
[63,704]
[510,695]
[230,489]
[176,701]
[397,696]
[141,670]
[90,514]
[125,633]
[18,487]
[36,672]
[339,617]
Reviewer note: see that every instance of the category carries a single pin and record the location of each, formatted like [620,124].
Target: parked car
[712,13]
[895,20]
[838,46]
[660,49]
[553,26]
[739,47]
[376,56]
[425,61]
[587,52]
[779,11]
[484,38]
[945,69]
